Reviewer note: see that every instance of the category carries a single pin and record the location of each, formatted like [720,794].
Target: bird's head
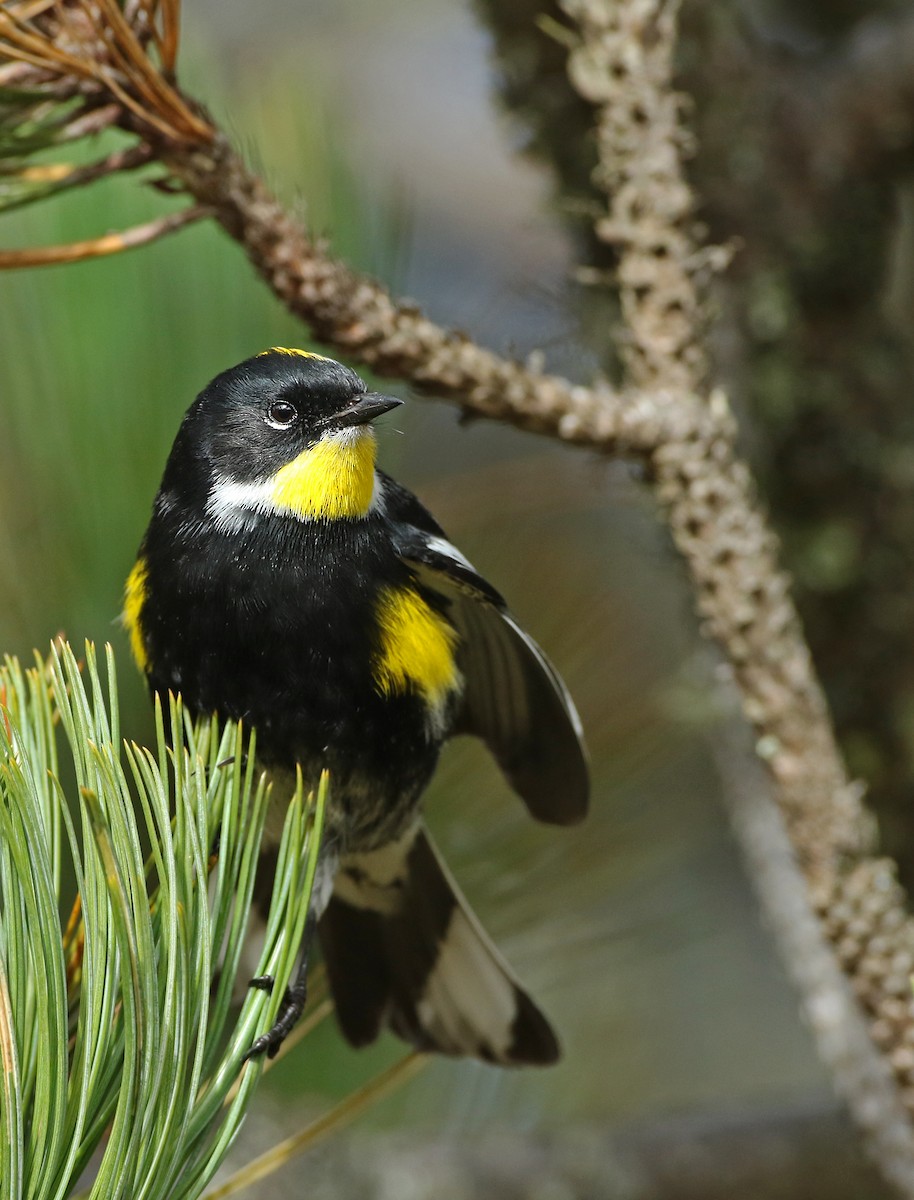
[285,432]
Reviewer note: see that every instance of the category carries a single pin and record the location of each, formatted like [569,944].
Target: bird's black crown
[257,416]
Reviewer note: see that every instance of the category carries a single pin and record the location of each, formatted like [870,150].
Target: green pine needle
[116,1034]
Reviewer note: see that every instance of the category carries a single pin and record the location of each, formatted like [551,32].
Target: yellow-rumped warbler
[285,581]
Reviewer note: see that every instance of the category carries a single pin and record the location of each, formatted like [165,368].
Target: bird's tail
[404,949]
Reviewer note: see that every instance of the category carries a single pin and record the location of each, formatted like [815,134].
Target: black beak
[362,410]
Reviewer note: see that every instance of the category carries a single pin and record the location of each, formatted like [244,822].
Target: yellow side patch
[295,352]
[134,599]
[417,648]
[331,480]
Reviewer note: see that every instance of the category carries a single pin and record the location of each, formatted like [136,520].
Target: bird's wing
[513,697]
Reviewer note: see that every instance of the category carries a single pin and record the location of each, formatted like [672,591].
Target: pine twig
[110,243]
[357,316]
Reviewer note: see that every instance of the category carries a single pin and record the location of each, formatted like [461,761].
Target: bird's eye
[282,414]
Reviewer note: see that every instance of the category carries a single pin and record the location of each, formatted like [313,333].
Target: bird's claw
[292,1007]
[263,983]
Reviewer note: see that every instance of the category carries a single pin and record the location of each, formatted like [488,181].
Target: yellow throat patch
[331,480]
[417,648]
[134,599]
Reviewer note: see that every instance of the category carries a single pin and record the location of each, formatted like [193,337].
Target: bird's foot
[291,1009]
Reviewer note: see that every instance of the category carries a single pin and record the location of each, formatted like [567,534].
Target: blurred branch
[47,179]
[711,1155]
[91,57]
[863,1078]
[623,65]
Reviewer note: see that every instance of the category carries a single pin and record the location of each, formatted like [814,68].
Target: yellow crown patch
[294,352]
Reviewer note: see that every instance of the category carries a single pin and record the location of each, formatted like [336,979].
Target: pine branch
[67,72]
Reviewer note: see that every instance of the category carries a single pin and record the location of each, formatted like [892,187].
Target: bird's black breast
[276,626]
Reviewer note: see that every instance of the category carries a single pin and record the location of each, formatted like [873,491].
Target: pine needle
[131,1052]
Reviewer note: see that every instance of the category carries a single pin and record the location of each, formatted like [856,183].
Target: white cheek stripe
[233,506]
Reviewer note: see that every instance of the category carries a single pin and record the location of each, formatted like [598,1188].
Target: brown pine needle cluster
[70,69]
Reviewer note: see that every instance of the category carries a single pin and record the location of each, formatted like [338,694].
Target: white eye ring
[281,414]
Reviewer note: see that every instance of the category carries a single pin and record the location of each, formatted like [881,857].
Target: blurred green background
[637,931]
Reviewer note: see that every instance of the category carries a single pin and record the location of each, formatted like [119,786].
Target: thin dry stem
[27,10]
[341,1114]
[24,46]
[171,29]
[110,243]
[66,175]
[92,122]
[142,72]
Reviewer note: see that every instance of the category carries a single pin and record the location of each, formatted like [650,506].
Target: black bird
[285,581]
